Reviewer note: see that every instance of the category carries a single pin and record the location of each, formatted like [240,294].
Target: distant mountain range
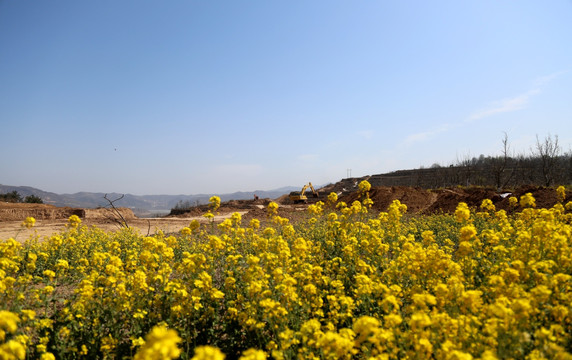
[139,203]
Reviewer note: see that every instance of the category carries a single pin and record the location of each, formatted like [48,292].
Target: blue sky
[187,97]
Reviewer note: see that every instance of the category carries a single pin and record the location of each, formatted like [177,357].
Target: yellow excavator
[296,196]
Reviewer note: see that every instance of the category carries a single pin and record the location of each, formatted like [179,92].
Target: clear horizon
[188,97]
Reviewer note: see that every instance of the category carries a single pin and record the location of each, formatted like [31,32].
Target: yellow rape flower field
[343,284]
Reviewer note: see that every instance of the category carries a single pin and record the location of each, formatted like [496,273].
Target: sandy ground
[43,228]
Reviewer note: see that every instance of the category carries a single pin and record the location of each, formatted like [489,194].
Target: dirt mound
[244,204]
[416,199]
[291,212]
[447,199]
[105,213]
[284,199]
[225,207]
[545,197]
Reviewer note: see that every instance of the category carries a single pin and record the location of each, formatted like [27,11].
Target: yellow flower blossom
[12,349]
[29,222]
[462,213]
[332,198]
[513,201]
[62,265]
[336,345]
[208,353]
[47,356]
[253,354]
[561,193]
[272,208]
[419,320]
[487,205]
[74,221]
[364,186]
[468,233]
[194,225]
[254,224]
[160,343]
[214,203]
[527,200]
[8,323]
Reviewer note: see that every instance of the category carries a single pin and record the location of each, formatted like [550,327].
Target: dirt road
[43,228]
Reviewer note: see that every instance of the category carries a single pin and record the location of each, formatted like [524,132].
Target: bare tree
[467,167]
[499,165]
[117,215]
[548,152]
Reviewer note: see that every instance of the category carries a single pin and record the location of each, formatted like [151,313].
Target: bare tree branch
[548,152]
[118,216]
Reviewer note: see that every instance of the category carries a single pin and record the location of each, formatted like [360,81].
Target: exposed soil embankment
[421,201]
[18,212]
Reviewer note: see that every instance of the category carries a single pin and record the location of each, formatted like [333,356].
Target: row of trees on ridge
[546,165]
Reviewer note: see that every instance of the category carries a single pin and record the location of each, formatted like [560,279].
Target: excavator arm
[301,196]
[314,192]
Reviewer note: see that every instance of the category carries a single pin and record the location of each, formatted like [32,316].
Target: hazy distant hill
[148,203]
